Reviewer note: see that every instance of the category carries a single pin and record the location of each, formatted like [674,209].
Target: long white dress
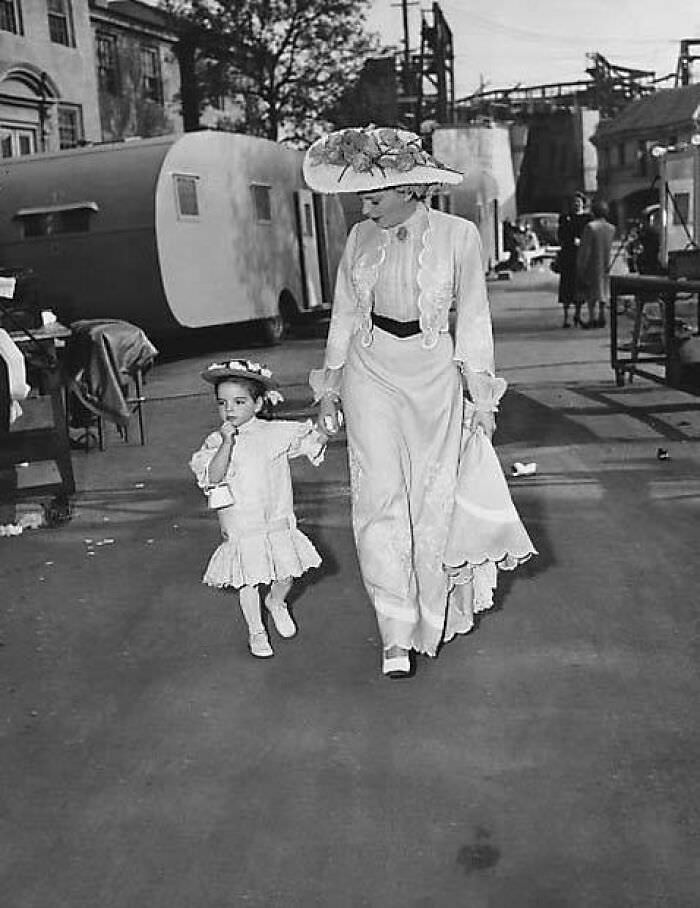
[403,402]
[261,541]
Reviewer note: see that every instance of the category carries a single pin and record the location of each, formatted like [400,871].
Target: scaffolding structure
[426,85]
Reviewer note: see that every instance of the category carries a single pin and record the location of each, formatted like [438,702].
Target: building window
[152,81]
[621,160]
[262,202]
[60,24]
[186,196]
[16,141]
[681,208]
[10,16]
[108,64]
[70,126]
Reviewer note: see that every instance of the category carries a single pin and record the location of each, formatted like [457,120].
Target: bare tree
[285,62]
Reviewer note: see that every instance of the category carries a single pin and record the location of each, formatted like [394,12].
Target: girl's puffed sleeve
[473,330]
[199,463]
[328,379]
[302,439]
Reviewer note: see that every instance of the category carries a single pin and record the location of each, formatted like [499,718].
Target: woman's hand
[485,420]
[329,418]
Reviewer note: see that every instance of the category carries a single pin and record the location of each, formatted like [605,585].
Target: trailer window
[186,196]
[56,219]
[263,202]
[681,208]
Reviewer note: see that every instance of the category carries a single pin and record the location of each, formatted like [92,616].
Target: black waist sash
[398,329]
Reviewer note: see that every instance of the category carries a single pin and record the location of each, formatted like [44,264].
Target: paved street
[547,760]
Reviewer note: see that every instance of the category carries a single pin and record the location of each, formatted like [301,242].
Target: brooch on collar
[402,234]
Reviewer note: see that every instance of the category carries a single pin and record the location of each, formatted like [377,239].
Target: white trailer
[173,233]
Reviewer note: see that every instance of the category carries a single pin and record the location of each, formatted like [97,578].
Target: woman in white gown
[401,379]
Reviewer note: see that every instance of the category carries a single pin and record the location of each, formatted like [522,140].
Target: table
[664,291]
[27,443]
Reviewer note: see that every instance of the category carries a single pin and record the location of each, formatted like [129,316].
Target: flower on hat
[367,148]
[274,397]
[242,365]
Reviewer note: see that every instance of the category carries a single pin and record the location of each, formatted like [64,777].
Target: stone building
[138,77]
[627,169]
[48,79]
[82,71]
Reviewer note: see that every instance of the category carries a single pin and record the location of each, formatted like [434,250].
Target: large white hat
[372,157]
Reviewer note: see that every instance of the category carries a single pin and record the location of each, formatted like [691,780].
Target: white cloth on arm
[16,373]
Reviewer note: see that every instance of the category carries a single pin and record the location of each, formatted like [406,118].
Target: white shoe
[259,645]
[281,618]
[396,662]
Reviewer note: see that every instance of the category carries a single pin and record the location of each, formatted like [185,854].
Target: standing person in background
[594,263]
[571,224]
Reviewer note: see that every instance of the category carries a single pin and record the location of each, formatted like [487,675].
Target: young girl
[243,468]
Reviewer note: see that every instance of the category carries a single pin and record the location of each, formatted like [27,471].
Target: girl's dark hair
[257,390]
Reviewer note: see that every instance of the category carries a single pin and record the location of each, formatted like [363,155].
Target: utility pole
[406,49]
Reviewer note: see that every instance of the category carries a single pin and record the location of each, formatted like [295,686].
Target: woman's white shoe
[396,662]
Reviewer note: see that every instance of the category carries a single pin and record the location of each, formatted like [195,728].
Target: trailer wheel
[276,328]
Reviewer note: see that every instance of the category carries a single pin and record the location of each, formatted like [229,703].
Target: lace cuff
[325,381]
[308,442]
[485,390]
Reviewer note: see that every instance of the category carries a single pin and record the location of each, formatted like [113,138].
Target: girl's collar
[249,426]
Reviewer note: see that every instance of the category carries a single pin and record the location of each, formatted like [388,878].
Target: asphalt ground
[549,759]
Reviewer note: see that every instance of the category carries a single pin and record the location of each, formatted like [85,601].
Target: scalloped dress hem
[261,559]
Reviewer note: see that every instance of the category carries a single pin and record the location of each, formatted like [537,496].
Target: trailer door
[308,243]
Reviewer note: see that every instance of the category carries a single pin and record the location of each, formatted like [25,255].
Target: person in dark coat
[594,263]
[570,230]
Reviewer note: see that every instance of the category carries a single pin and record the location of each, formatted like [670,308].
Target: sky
[505,42]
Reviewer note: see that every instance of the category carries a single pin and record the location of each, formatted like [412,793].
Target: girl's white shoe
[259,645]
[281,618]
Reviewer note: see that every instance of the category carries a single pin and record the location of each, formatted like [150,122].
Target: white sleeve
[473,331]
[199,463]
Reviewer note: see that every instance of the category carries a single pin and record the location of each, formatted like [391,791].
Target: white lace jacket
[449,274]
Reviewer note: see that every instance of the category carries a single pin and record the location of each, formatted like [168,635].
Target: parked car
[545,224]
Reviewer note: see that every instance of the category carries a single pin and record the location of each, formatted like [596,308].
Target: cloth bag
[486,533]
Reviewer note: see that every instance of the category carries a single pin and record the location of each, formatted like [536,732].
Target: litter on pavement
[524,469]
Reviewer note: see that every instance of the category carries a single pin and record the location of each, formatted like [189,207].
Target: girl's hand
[228,431]
[485,420]
[329,415]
